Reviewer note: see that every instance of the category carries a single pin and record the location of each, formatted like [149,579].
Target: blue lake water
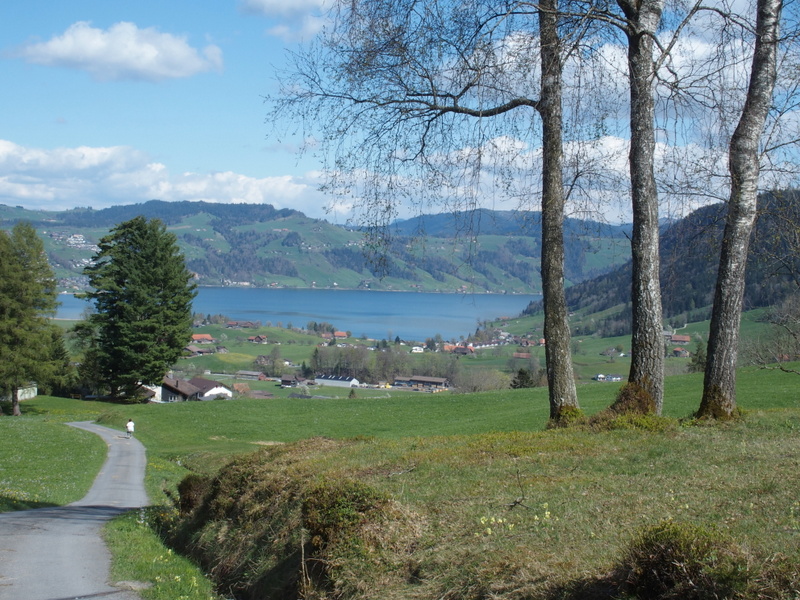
[374,314]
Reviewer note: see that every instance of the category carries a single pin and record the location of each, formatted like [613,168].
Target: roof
[423,379]
[180,387]
[206,385]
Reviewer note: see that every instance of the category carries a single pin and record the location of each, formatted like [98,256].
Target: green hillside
[260,246]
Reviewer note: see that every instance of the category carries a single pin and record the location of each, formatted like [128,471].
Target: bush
[679,560]
[335,508]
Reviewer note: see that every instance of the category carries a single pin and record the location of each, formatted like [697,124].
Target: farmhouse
[681,339]
[193,350]
[292,380]
[210,390]
[202,338]
[176,390]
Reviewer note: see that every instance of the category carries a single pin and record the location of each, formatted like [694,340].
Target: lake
[374,314]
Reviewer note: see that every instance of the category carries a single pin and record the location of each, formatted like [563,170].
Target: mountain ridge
[261,246]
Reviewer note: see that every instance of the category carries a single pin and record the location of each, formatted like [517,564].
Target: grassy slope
[456,462]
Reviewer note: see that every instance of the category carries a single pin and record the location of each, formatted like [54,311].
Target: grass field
[455,464]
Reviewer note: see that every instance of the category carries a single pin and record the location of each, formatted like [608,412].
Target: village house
[292,380]
[681,339]
[175,390]
[211,390]
[192,350]
[202,338]
[257,339]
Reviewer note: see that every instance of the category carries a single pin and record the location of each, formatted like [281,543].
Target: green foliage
[142,295]
[683,561]
[697,364]
[523,379]
[31,347]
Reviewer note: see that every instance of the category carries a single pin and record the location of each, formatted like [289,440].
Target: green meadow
[492,497]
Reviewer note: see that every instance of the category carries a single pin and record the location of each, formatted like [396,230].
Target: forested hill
[258,245]
[690,251]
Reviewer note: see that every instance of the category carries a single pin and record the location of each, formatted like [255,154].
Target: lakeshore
[373,314]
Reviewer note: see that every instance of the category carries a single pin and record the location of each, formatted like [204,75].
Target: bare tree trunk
[719,386]
[15,410]
[647,342]
[560,378]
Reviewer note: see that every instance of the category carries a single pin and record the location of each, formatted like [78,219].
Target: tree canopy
[28,340]
[142,294]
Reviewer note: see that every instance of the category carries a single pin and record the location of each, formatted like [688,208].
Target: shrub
[335,508]
[633,399]
[192,489]
[679,560]
[568,416]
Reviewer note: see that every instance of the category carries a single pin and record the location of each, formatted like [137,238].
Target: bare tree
[647,352]
[423,100]
[719,385]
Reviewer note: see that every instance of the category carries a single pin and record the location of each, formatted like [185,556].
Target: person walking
[129,428]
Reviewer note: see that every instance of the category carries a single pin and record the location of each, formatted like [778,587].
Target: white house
[27,392]
[211,390]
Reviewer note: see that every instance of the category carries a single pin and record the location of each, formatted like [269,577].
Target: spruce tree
[142,294]
[27,301]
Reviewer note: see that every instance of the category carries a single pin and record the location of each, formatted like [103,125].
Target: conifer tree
[27,300]
[142,294]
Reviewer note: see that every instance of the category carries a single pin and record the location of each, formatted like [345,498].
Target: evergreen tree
[698,362]
[27,300]
[142,295]
[523,379]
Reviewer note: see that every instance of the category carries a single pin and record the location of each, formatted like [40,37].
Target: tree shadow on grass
[9,504]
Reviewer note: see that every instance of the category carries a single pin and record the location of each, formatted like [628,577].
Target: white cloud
[294,21]
[124,51]
[63,178]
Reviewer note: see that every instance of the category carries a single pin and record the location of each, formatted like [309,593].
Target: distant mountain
[258,245]
[690,251]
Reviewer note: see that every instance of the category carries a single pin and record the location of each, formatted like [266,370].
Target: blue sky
[109,102]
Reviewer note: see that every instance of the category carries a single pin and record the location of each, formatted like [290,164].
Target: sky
[107,102]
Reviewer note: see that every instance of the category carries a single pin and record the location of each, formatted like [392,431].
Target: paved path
[58,553]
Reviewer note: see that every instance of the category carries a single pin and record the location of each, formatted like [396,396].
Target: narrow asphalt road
[58,553]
